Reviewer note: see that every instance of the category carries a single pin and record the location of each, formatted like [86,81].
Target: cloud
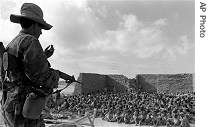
[170,55]
[6,8]
[180,47]
[102,11]
[185,46]
[160,22]
[74,26]
[77,3]
[8,29]
[131,36]
[8,32]
[91,37]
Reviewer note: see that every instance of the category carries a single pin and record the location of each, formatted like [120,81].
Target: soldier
[28,72]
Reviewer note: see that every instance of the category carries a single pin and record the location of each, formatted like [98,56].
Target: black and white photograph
[102,63]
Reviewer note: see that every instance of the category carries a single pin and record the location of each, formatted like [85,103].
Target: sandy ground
[101,123]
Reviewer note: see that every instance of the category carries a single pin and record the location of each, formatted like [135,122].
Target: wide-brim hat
[33,12]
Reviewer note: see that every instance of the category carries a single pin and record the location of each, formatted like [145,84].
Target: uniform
[32,70]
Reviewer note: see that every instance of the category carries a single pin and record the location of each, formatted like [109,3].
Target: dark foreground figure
[26,73]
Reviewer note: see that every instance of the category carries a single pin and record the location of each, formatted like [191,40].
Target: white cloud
[184,46]
[102,11]
[160,22]
[73,26]
[8,31]
[87,39]
[132,36]
[181,47]
[78,3]
[130,23]
[170,55]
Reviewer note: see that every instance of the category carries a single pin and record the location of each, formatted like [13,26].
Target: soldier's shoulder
[26,40]
[28,37]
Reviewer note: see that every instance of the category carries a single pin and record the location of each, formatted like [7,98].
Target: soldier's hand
[49,51]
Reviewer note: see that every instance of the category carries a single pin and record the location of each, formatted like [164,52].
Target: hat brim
[16,19]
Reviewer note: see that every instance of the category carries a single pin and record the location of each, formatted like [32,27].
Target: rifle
[69,79]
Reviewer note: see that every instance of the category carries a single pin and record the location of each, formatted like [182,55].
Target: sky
[125,37]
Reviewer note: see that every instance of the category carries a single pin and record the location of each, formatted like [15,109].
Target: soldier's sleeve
[37,67]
